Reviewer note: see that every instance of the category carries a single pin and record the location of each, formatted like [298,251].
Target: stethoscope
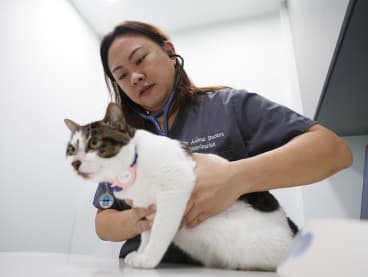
[165,110]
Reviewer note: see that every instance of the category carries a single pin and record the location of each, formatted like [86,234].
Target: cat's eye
[70,150]
[94,143]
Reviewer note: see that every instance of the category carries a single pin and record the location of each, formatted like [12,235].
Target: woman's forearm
[308,158]
[113,225]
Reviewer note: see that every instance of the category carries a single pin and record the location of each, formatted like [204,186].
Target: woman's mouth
[145,90]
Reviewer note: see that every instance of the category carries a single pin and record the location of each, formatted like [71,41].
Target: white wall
[49,70]
[315,29]
[243,54]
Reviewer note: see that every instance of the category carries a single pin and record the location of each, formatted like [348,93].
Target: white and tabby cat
[254,233]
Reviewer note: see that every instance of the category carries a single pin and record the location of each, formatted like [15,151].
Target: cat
[253,234]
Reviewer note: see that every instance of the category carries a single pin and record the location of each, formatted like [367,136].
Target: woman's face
[143,70]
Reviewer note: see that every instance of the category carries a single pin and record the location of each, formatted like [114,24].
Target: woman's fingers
[190,206]
[139,216]
[143,225]
[197,220]
[140,213]
[129,202]
[192,215]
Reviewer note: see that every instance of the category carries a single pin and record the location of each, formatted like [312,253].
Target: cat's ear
[71,125]
[114,115]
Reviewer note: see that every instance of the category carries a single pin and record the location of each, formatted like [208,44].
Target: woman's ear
[170,49]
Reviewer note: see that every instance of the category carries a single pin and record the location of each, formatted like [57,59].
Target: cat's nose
[76,164]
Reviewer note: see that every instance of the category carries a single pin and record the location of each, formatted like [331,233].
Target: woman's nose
[136,78]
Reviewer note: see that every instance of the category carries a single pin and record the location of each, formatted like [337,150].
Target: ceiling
[103,15]
[343,106]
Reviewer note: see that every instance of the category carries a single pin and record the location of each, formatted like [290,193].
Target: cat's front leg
[169,212]
[144,240]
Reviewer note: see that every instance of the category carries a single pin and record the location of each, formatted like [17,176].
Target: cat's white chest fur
[162,167]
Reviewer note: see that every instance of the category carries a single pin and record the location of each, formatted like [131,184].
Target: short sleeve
[118,204]
[266,125]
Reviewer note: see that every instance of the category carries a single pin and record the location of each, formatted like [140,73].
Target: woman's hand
[213,192]
[138,218]
[114,225]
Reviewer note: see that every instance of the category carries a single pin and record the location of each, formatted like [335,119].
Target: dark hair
[185,93]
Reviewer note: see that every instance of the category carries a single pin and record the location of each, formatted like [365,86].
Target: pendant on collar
[127,179]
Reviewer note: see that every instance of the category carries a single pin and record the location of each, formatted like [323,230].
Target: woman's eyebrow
[116,68]
[133,52]
[129,59]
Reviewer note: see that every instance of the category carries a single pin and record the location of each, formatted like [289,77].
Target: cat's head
[92,148]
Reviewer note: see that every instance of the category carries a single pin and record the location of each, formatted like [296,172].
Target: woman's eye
[122,76]
[140,60]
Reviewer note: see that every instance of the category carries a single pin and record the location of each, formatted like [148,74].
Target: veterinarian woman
[268,145]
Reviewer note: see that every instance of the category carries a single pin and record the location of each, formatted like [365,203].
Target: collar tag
[127,179]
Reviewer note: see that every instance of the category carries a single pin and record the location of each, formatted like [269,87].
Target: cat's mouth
[87,170]
[84,175]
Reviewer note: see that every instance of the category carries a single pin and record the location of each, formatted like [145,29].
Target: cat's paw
[140,260]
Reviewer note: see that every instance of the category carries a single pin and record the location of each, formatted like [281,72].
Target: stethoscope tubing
[165,111]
